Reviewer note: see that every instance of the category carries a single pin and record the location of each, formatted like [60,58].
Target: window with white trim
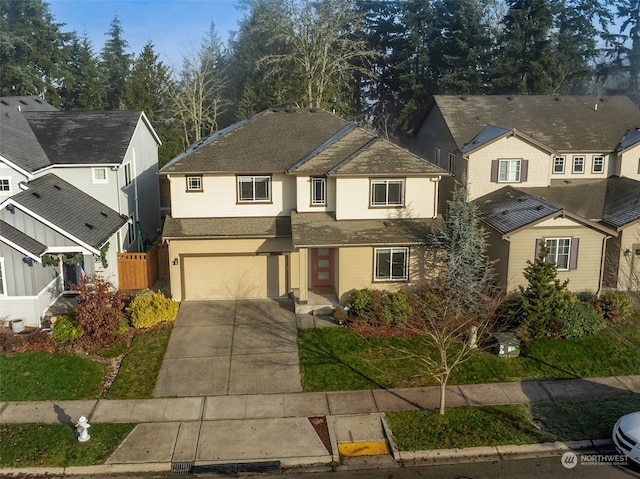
[391,264]
[99,175]
[558,164]
[254,189]
[319,191]
[387,192]
[3,279]
[559,252]
[5,185]
[509,171]
[128,175]
[578,164]
[598,164]
[194,183]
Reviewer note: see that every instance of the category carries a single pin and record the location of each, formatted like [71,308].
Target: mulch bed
[319,423]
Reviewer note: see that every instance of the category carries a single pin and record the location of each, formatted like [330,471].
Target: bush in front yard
[149,309]
[579,319]
[65,329]
[617,306]
[360,303]
[396,308]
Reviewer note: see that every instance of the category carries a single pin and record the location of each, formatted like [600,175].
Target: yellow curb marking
[369,448]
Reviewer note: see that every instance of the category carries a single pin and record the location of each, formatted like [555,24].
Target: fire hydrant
[82,428]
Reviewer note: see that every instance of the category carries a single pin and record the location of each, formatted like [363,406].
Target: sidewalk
[273,430]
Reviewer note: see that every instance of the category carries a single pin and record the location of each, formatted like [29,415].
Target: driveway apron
[231,347]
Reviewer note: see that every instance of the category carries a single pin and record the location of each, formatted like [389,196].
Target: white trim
[102,181]
[253,178]
[21,249]
[323,181]
[573,164]
[66,249]
[553,165]
[51,225]
[557,240]
[508,161]
[11,164]
[404,250]
[593,164]
[386,183]
[3,278]
[10,190]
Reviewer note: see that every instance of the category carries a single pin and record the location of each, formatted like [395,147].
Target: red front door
[321,267]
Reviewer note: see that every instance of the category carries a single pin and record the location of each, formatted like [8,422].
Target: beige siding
[629,264]
[630,163]
[181,249]
[609,166]
[587,275]
[353,200]
[498,251]
[303,195]
[219,198]
[355,270]
[479,165]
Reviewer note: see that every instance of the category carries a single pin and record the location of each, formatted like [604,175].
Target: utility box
[508,345]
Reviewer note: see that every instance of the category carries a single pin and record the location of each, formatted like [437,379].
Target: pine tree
[544,298]
[468,269]
[115,64]
[83,86]
[146,89]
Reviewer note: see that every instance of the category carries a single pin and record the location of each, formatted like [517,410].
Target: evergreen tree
[115,65]
[544,299]
[147,87]
[523,63]
[83,86]
[31,50]
[468,269]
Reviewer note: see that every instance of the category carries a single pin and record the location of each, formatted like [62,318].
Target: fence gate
[138,270]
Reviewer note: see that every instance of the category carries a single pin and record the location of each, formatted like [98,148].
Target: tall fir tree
[524,59]
[116,63]
[148,84]
[83,86]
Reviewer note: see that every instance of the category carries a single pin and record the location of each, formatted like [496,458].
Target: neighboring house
[83,185]
[298,201]
[560,169]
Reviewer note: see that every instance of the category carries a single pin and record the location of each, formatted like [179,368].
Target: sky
[172,25]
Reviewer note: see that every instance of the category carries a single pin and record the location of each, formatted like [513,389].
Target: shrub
[359,303]
[149,309]
[65,329]
[578,319]
[616,306]
[396,308]
[100,312]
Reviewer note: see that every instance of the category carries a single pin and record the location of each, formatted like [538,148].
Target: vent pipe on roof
[595,108]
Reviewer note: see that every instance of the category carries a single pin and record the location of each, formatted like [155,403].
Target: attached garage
[233,276]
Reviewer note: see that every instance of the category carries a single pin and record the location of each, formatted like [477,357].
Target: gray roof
[486,135]
[631,138]
[298,141]
[564,123]
[622,201]
[508,209]
[322,229]
[258,227]
[81,137]
[9,234]
[70,209]
[25,103]
[18,144]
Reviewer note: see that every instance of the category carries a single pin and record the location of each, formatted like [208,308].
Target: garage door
[225,277]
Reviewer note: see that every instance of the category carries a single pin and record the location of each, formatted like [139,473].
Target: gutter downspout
[604,251]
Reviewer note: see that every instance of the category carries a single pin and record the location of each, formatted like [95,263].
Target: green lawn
[55,445]
[338,359]
[512,424]
[38,376]
[139,369]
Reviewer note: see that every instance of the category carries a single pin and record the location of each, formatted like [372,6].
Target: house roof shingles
[298,141]
[322,229]
[18,238]
[564,123]
[247,227]
[57,201]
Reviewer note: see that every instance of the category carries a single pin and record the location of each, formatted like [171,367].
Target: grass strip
[39,376]
[340,359]
[55,445]
[138,373]
[464,427]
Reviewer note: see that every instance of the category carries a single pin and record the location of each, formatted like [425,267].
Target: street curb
[83,470]
[503,453]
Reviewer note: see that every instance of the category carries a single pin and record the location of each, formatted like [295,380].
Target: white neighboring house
[76,188]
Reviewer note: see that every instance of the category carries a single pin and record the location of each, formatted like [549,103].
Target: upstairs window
[509,171]
[391,264]
[452,162]
[387,192]
[558,164]
[5,185]
[99,175]
[254,189]
[128,174]
[318,191]
[578,164]
[194,183]
[598,164]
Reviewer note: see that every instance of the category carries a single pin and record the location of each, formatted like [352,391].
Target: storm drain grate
[238,467]
[181,467]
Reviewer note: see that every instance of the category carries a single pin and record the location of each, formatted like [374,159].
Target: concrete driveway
[231,347]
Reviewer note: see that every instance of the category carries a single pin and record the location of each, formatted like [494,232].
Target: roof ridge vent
[89,225]
[36,194]
[57,187]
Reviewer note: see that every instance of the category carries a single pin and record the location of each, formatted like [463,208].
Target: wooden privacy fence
[140,270]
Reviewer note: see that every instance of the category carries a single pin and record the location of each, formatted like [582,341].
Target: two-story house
[298,200]
[563,170]
[76,188]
